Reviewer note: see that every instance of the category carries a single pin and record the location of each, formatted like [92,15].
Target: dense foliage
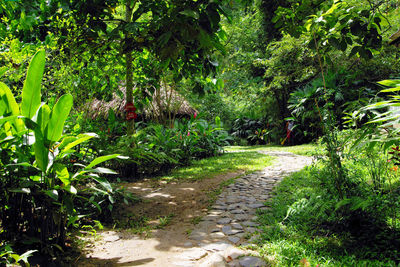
[40,184]
[157,149]
[308,220]
[248,66]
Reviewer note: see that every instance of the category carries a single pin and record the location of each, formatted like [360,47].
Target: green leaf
[190,13]
[41,151]
[384,119]
[7,119]
[11,106]
[100,160]
[103,182]
[220,47]
[390,83]
[58,116]
[227,12]
[395,89]
[52,193]
[31,90]
[342,203]
[77,142]
[11,103]
[39,147]
[365,53]
[343,45]
[20,190]
[218,121]
[24,257]
[3,70]
[43,117]
[220,84]
[71,189]
[104,170]
[62,173]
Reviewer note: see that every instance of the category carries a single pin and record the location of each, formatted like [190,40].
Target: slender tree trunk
[129,68]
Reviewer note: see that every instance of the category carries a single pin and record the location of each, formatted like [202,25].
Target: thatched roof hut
[165,102]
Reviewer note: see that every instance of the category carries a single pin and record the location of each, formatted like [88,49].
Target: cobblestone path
[231,220]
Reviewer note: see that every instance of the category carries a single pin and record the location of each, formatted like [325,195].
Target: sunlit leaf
[100,160]
[58,116]
[62,173]
[390,83]
[31,90]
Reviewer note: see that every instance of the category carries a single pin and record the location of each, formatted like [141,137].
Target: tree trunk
[129,69]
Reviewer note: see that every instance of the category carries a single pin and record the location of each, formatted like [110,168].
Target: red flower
[195,115]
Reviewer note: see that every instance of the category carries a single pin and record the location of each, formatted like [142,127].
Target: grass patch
[164,221]
[289,239]
[306,149]
[226,163]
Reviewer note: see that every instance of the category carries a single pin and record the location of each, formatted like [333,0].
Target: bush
[157,148]
[40,185]
[255,131]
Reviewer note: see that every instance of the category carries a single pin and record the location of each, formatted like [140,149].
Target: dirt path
[195,235]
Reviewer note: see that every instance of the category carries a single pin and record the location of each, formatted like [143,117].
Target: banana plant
[44,173]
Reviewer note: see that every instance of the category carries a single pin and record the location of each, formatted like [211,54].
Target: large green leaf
[31,90]
[390,83]
[11,106]
[62,173]
[3,104]
[7,119]
[77,141]
[100,160]
[43,117]
[41,151]
[394,89]
[58,116]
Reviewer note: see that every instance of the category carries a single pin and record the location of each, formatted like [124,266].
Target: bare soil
[184,202]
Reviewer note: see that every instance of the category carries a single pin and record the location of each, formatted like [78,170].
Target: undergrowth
[308,225]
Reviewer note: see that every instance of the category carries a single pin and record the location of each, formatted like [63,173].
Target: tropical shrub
[255,131]
[157,148]
[40,183]
[308,220]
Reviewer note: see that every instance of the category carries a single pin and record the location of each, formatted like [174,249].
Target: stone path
[231,221]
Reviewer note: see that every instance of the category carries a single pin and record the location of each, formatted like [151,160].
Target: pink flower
[188,133]
[195,115]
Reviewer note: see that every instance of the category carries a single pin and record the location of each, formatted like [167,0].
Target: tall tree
[181,35]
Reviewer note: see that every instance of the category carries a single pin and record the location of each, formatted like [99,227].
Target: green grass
[226,163]
[164,221]
[287,242]
[306,149]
